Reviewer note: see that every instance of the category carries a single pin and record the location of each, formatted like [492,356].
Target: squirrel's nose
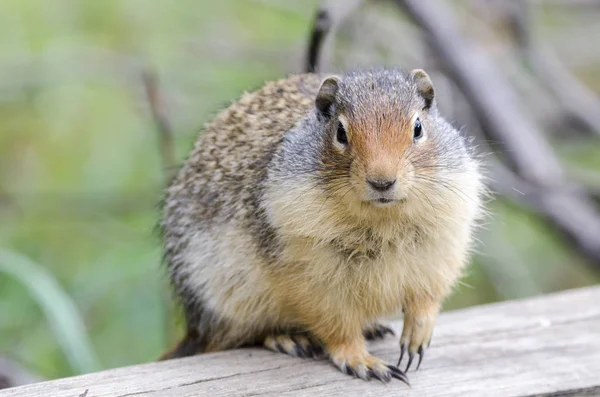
[381,185]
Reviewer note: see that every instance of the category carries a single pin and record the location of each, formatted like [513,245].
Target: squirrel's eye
[417,130]
[341,134]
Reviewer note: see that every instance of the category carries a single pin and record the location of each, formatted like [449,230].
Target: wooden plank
[544,346]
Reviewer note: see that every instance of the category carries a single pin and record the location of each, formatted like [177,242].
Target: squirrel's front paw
[359,363]
[416,337]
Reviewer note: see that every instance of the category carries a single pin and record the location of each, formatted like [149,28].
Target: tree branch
[320,29]
[330,15]
[577,101]
[163,126]
[567,208]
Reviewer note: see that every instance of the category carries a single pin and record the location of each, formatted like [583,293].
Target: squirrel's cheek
[407,173]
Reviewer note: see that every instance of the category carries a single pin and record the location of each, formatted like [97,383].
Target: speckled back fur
[221,179]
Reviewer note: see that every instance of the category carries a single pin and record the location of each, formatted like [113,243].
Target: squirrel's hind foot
[377,331]
[295,344]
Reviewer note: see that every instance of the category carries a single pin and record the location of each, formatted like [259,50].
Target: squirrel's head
[379,135]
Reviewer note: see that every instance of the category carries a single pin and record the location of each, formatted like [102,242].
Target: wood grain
[543,346]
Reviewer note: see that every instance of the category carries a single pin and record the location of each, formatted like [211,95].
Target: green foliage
[59,310]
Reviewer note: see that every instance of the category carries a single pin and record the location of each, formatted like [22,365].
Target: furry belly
[321,280]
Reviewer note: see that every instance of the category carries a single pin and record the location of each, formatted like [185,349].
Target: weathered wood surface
[548,345]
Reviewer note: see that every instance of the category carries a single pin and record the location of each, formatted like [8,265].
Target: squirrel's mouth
[383,202]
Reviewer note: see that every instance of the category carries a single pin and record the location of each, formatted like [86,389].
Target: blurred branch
[321,27]
[163,126]
[330,14]
[567,208]
[579,102]
[59,309]
[167,151]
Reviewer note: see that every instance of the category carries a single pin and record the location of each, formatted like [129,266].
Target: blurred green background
[81,172]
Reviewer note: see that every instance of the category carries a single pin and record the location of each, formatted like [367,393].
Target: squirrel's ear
[424,85]
[326,96]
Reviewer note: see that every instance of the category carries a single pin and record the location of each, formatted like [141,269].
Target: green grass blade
[59,309]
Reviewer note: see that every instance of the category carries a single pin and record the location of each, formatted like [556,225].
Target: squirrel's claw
[371,368]
[421,353]
[297,345]
[398,374]
[411,355]
[416,337]
[402,351]
[377,331]
[352,358]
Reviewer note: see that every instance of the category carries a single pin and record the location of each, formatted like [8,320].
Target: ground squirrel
[313,207]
